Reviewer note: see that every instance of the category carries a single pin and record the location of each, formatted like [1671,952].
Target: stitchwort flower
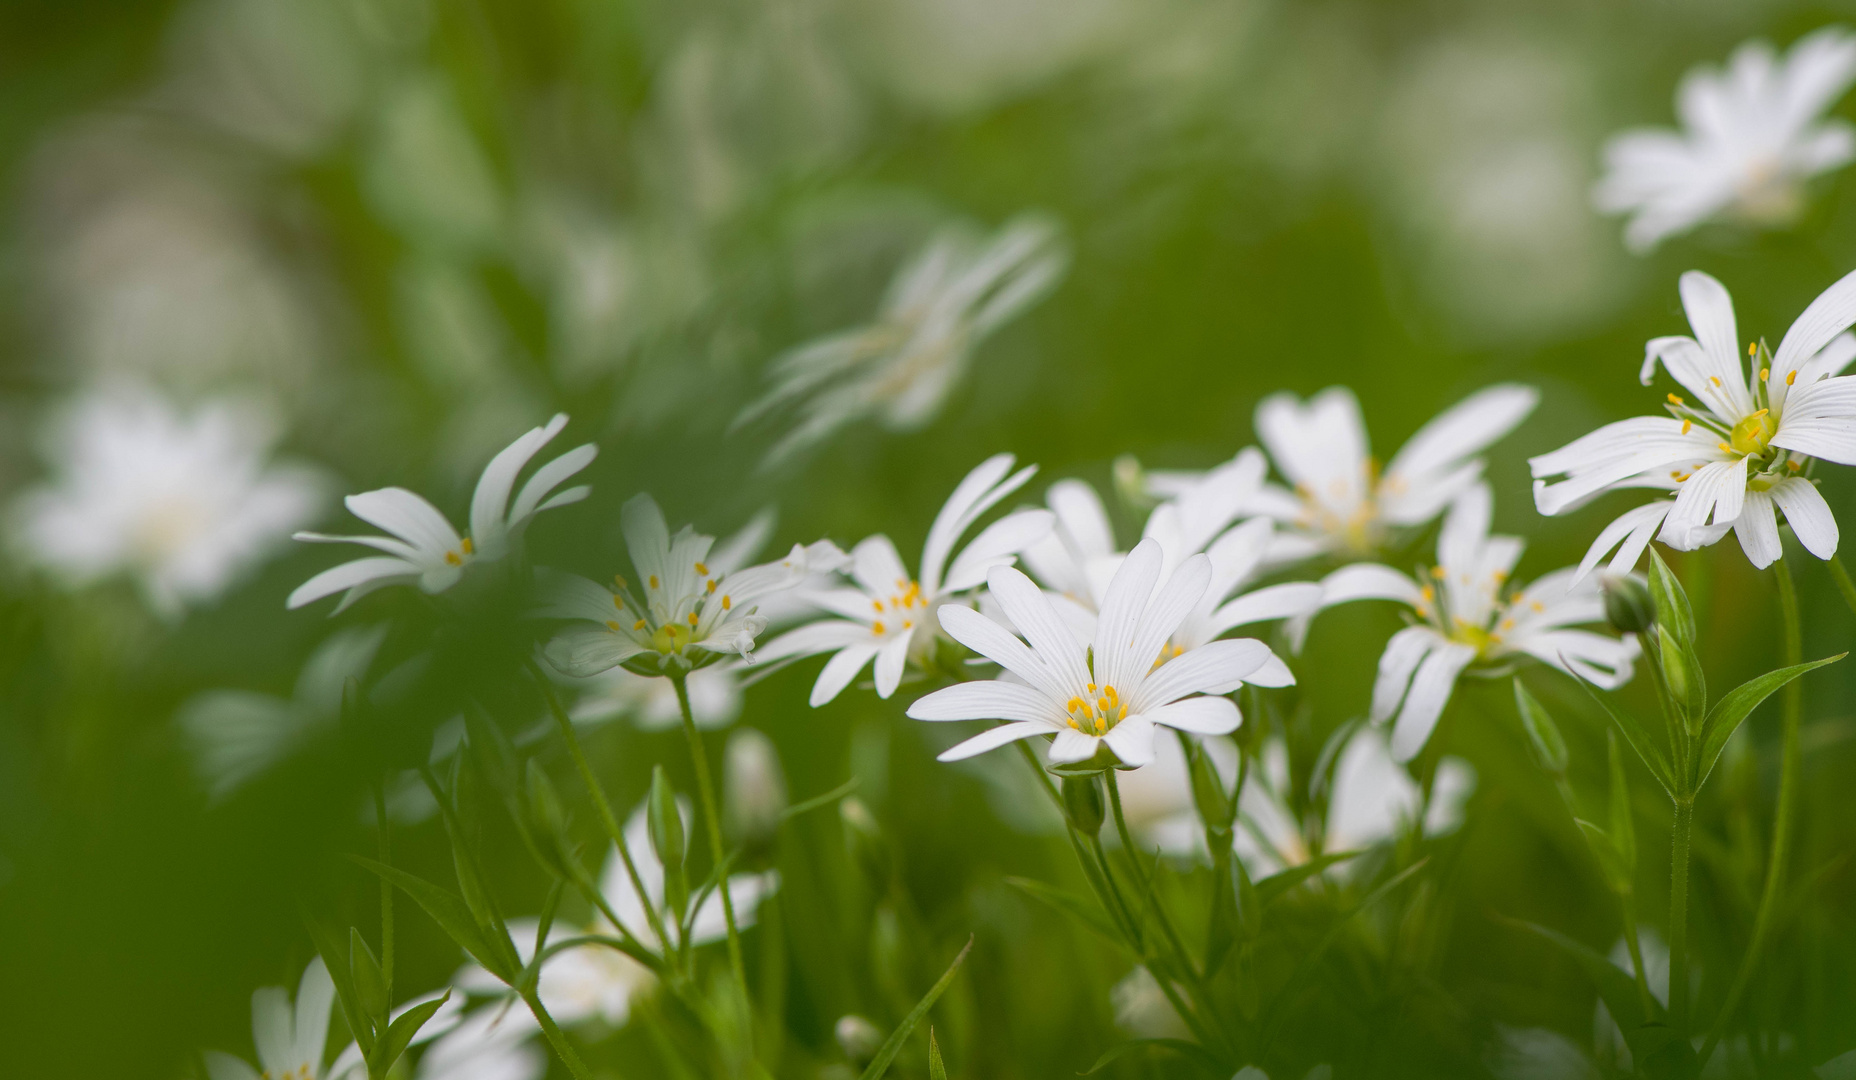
[889,615]
[424,549]
[1106,697]
[289,1037]
[1742,451]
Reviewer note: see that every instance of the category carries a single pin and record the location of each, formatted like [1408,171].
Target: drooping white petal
[1200,715]
[546,479]
[1273,673]
[391,545]
[890,660]
[1630,533]
[1425,701]
[1808,514]
[1401,657]
[992,738]
[1071,746]
[840,670]
[569,596]
[1132,740]
[991,699]
[1614,453]
[1758,530]
[407,516]
[375,571]
[1713,495]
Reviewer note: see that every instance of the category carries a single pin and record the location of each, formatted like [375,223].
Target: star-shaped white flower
[1737,455]
[184,503]
[687,614]
[1470,612]
[1751,136]
[890,614]
[1109,695]
[1341,503]
[901,368]
[289,1037]
[424,549]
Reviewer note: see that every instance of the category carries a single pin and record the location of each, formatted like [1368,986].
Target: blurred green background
[419,228]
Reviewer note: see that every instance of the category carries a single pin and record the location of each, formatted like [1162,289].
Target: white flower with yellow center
[684,614]
[289,1037]
[1740,453]
[1110,695]
[1342,504]
[1470,613]
[901,368]
[184,503]
[890,614]
[1752,135]
[424,549]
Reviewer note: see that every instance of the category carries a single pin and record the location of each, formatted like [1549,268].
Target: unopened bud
[1216,809]
[1628,607]
[1082,801]
[858,1038]
[756,788]
[865,839]
[1131,483]
[665,823]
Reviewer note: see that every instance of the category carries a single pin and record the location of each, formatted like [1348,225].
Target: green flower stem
[1678,914]
[556,1037]
[605,808]
[1629,905]
[705,787]
[386,887]
[1792,709]
[1844,585]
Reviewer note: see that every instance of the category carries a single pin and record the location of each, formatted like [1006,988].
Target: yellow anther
[1686,424]
[1791,377]
[639,625]
[1092,688]
[693,619]
[466,545]
[1109,692]
[878,605]
[711,586]
[651,581]
[1715,379]
[1676,474]
[877,627]
[702,570]
[453,558]
[727,602]
[1675,399]
[1507,625]
[1499,575]
[619,580]
[1725,449]
[1752,348]
[1437,572]
[1794,465]
[618,602]
[908,624]
[1075,704]
[671,629]
[1429,594]
[613,626]
[1538,606]
[1764,374]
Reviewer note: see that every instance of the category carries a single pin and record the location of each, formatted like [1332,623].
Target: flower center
[1750,436]
[1094,713]
[899,612]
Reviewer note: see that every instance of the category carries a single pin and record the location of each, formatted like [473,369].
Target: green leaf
[937,1069]
[1192,1052]
[1084,911]
[476,897]
[1645,1034]
[370,983]
[1623,832]
[893,1045]
[1731,710]
[1542,732]
[449,911]
[817,801]
[1278,884]
[1639,740]
[1610,860]
[400,1034]
[328,946]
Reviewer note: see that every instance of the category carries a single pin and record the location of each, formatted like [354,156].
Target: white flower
[689,614]
[424,549]
[651,703]
[184,503]
[1741,453]
[595,981]
[889,615]
[289,1039]
[1341,503]
[1110,695]
[492,1043]
[1471,613]
[1753,134]
[901,368]
[756,786]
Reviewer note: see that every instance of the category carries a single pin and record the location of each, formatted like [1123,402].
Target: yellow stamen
[610,625]
[727,602]
[702,570]
[1429,594]
[1791,377]
[452,558]
[1686,424]
[1675,399]
[1725,449]
[908,625]
[619,580]
[1794,465]
[639,625]
[1092,688]
[1764,374]
[693,619]
[1538,606]
[466,545]
[618,602]
[651,581]
[1437,572]
[1752,348]
[1075,704]
[711,586]
[1715,379]
[877,627]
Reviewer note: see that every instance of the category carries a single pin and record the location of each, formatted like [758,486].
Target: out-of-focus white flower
[756,786]
[1472,613]
[891,614]
[1341,503]
[424,549]
[1110,696]
[651,703]
[690,613]
[1739,456]
[593,981]
[1752,135]
[237,734]
[185,503]
[1538,1054]
[901,368]
[289,1038]
[1142,1008]
[492,1043]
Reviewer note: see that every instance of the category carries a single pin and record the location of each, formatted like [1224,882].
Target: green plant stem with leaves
[1680,833]
[705,788]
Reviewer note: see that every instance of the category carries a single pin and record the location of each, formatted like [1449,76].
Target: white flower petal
[992,739]
[1271,602]
[1071,746]
[1829,315]
[315,994]
[407,516]
[1401,657]
[1122,608]
[1164,614]
[991,699]
[584,651]
[1758,530]
[1633,529]
[976,493]
[890,660]
[995,546]
[1218,667]
[840,670]
[490,501]
[1050,637]
[1200,715]
[1460,431]
[823,636]
[1808,514]
[1820,420]
[376,571]
[1132,740]
[877,567]
[1424,703]
[226,1067]
[546,479]
[997,644]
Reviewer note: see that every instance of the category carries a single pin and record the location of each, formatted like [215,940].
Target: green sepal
[937,1069]
[1731,710]
[1673,614]
[1217,809]
[1542,733]
[400,1033]
[370,983]
[893,1045]
[1069,903]
[1082,802]
[450,912]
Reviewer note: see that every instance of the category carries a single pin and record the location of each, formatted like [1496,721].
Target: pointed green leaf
[1192,1052]
[893,1045]
[370,983]
[1278,884]
[1083,910]
[400,1034]
[1617,988]
[335,958]
[1610,860]
[1739,703]
[449,911]
[1639,740]
[937,1069]
[1542,732]
[1623,832]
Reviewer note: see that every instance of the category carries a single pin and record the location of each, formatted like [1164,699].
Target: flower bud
[666,824]
[858,1038]
[1216,809]
[756,789]
[1628,607]
[1082,801]
[865,839]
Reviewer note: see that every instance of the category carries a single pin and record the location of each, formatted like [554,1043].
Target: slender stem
[1678,914]
[1844,585]
[1140,868]
[555,1036]
[1629,904]
[605,808]
[386,887]
[705,787]
[1792,708]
